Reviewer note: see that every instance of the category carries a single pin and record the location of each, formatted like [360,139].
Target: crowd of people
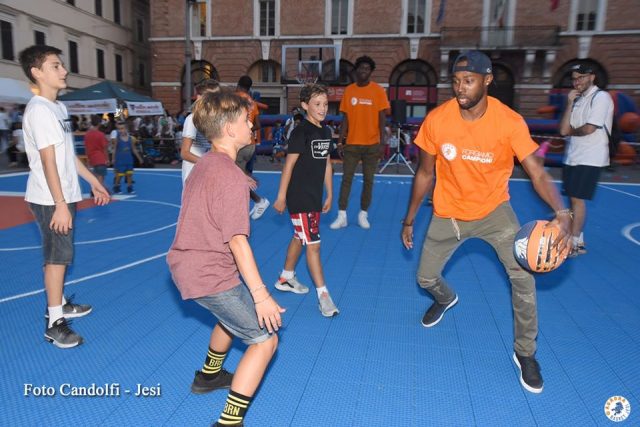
[468,143]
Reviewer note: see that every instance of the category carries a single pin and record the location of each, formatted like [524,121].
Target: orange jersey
[362,105]
[474,159]
[253,114]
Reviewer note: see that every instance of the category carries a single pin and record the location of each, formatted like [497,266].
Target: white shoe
[260,208]
[326,305]
[363,220]
[291,285]
[340,222]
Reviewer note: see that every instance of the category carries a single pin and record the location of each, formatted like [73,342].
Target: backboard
[304,63]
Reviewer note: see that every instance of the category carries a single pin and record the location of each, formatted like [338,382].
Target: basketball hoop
[306,78]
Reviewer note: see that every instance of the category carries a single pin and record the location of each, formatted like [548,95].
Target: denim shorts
[56,248]
[235,311]
[100,170]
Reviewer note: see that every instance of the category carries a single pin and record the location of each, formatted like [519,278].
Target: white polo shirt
[594,107]
[47,123]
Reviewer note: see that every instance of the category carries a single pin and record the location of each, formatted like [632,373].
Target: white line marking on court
[620,191]
[626,232]
[109,239]
[85,278]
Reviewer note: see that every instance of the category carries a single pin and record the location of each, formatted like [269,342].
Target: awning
[14,91]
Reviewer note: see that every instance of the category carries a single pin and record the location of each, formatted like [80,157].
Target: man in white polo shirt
[587,121]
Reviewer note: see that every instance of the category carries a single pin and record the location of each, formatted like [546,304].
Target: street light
[187,54]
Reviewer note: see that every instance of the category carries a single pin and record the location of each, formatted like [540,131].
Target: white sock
[64,300]
[581,239]
[321,290]
[342,214]
[363,212]
[575,240]
[286,274]
[55,313]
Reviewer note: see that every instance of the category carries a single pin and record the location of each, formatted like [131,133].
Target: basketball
[533,247]
[629,122]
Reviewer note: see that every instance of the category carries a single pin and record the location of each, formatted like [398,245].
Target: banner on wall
[145,108]
[98,106]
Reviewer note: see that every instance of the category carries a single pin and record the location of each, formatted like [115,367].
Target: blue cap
[477,62]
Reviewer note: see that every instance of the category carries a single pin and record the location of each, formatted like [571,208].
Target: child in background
[123,152]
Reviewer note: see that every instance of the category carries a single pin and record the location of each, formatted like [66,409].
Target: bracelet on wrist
[59,201]
[261,301]
[564,212]
[257,288]
[406,224]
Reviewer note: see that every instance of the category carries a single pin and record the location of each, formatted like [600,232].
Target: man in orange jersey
[364,107]
[471,140]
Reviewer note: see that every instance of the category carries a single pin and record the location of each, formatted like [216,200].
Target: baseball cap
[477,62]
[582,68]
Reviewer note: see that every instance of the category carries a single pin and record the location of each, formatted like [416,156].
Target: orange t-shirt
[253,114]
[474,159]
[362,105]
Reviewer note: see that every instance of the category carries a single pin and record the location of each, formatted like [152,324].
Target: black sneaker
[435,313]
[530,377]
[71,310]
[203,385]
[61,335]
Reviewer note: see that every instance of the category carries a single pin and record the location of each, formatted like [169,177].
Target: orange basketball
[533,247]
[629,122]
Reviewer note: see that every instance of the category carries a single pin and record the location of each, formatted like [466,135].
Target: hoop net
[306,78]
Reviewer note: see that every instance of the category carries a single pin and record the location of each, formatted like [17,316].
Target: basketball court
[373,365]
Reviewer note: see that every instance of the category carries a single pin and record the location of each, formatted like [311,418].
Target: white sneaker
[340,222]
[291,285]
[363,220]
[327,307]
[260,208]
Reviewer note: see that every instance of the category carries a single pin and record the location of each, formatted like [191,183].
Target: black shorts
[580,181]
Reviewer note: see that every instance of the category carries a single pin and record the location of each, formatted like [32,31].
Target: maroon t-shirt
[95,143]
[215,207]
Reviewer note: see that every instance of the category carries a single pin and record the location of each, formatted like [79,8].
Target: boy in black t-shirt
[306,167]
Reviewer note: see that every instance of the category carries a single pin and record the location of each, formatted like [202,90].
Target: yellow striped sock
[234,409]
[213,363]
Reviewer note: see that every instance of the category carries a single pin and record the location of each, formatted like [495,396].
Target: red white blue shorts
[306,227]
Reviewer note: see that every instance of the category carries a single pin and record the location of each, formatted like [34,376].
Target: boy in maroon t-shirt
[95,147]
[210,249]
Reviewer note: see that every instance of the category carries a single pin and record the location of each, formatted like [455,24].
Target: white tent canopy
[14,91]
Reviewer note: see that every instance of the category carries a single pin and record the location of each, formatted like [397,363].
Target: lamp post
[187,54]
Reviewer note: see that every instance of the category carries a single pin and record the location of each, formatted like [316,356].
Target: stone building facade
[532,45]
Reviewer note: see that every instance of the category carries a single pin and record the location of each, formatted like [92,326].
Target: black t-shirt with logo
[313,144]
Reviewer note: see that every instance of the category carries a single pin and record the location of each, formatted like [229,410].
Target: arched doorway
[200,70]
[562,77]
[415,82]
[503,84]
[266,78]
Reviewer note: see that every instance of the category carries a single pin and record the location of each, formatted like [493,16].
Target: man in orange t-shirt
[471,141]
[364,106]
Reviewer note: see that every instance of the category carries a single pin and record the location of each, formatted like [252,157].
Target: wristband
[405,224]
[59,201]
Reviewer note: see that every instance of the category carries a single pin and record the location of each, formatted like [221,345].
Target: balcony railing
[519,37]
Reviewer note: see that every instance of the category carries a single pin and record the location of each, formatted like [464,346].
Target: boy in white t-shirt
[53,188]
[194,143]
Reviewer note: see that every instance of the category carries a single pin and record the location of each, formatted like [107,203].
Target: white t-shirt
[47,123]
[595,107]
[198,146]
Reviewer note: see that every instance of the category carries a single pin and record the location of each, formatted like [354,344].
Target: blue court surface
[373,365]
